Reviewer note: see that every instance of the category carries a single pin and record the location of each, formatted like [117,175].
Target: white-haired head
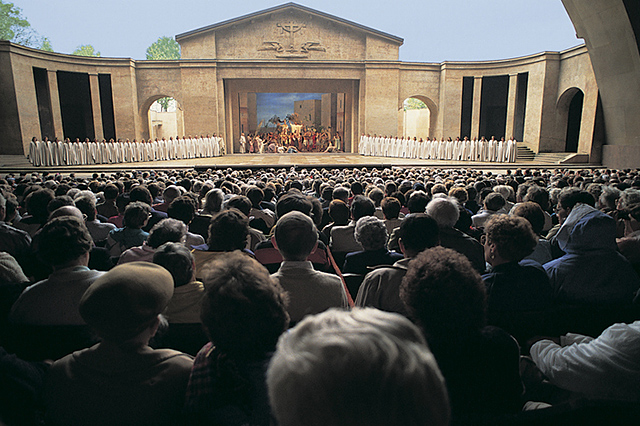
[356,368]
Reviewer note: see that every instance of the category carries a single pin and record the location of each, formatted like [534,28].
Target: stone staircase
[525,154]
[551,158]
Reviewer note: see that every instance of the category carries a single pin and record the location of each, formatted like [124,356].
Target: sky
[433,30]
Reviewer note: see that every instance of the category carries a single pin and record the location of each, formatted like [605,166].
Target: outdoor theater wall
[287,49]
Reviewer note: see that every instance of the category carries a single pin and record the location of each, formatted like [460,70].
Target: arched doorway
[165,118]
[570,117]
[416,117]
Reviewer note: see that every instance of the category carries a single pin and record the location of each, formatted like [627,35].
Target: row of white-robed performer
[67,153]
[454,150]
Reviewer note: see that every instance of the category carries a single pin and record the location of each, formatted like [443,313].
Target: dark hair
[444,294]
[494,201]
[241,203]
[417,202]
[182,208]
[293,201]
[390,207]
[136,214]
[538,195]
[339,212]
[243,310]
[141,193]
[59,201]
[255,195]
[177,259]
[361,206]
[228,231]
[62,240]
[419,232]
[37,203]
[87,206]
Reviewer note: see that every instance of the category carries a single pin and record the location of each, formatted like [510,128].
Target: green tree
[15,27]
[46,45]
[164,48]
[413,103]
[85,50]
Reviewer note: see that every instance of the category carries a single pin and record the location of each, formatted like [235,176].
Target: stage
[19,163]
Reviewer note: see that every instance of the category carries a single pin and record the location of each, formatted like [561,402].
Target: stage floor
[19,163]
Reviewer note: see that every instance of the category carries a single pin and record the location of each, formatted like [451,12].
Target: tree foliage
[86,50]
[46,45]
[164,48]
[413,103]
[15,27]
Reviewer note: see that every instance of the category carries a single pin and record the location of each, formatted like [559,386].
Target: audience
[592,286]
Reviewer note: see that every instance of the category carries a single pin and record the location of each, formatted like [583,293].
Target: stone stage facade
[540,99]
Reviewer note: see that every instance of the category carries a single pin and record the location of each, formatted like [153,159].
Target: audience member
[359,368]
[244,314]
[121,380]
[371,234]
[309,291]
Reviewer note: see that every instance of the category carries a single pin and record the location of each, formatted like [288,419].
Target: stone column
[94,86]
[56,111]
[511,105]
[475,111]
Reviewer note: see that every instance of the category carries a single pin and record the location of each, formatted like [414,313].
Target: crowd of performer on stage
[290,139]
[68,153]
[491,150]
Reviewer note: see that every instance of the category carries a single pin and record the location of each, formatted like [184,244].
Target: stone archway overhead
[289,32]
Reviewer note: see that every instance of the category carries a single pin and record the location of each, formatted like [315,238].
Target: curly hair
[243,310]
[533,213]
[512,235]
[444,294]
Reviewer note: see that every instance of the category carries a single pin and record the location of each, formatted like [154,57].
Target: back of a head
[293,201]
[339,212]
[390,207]
[340,193]
[241,203]
[418,232]
[87,206]
[513,236]
[538,195]
[167,230]
[141,193]
[178,260]
[171,193]
[494,201]
[243,310]
[360,368]
[371,233]
[295,235]
[255,195]
[213,201]
[62,240]
[533,213]
[362,206]
[228,231]
[444,210]
[417,202]
[136,214]
[182,208]
[444,294]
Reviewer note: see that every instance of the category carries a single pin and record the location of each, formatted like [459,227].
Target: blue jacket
[591,271]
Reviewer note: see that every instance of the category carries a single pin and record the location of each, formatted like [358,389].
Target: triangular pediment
[289,31]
